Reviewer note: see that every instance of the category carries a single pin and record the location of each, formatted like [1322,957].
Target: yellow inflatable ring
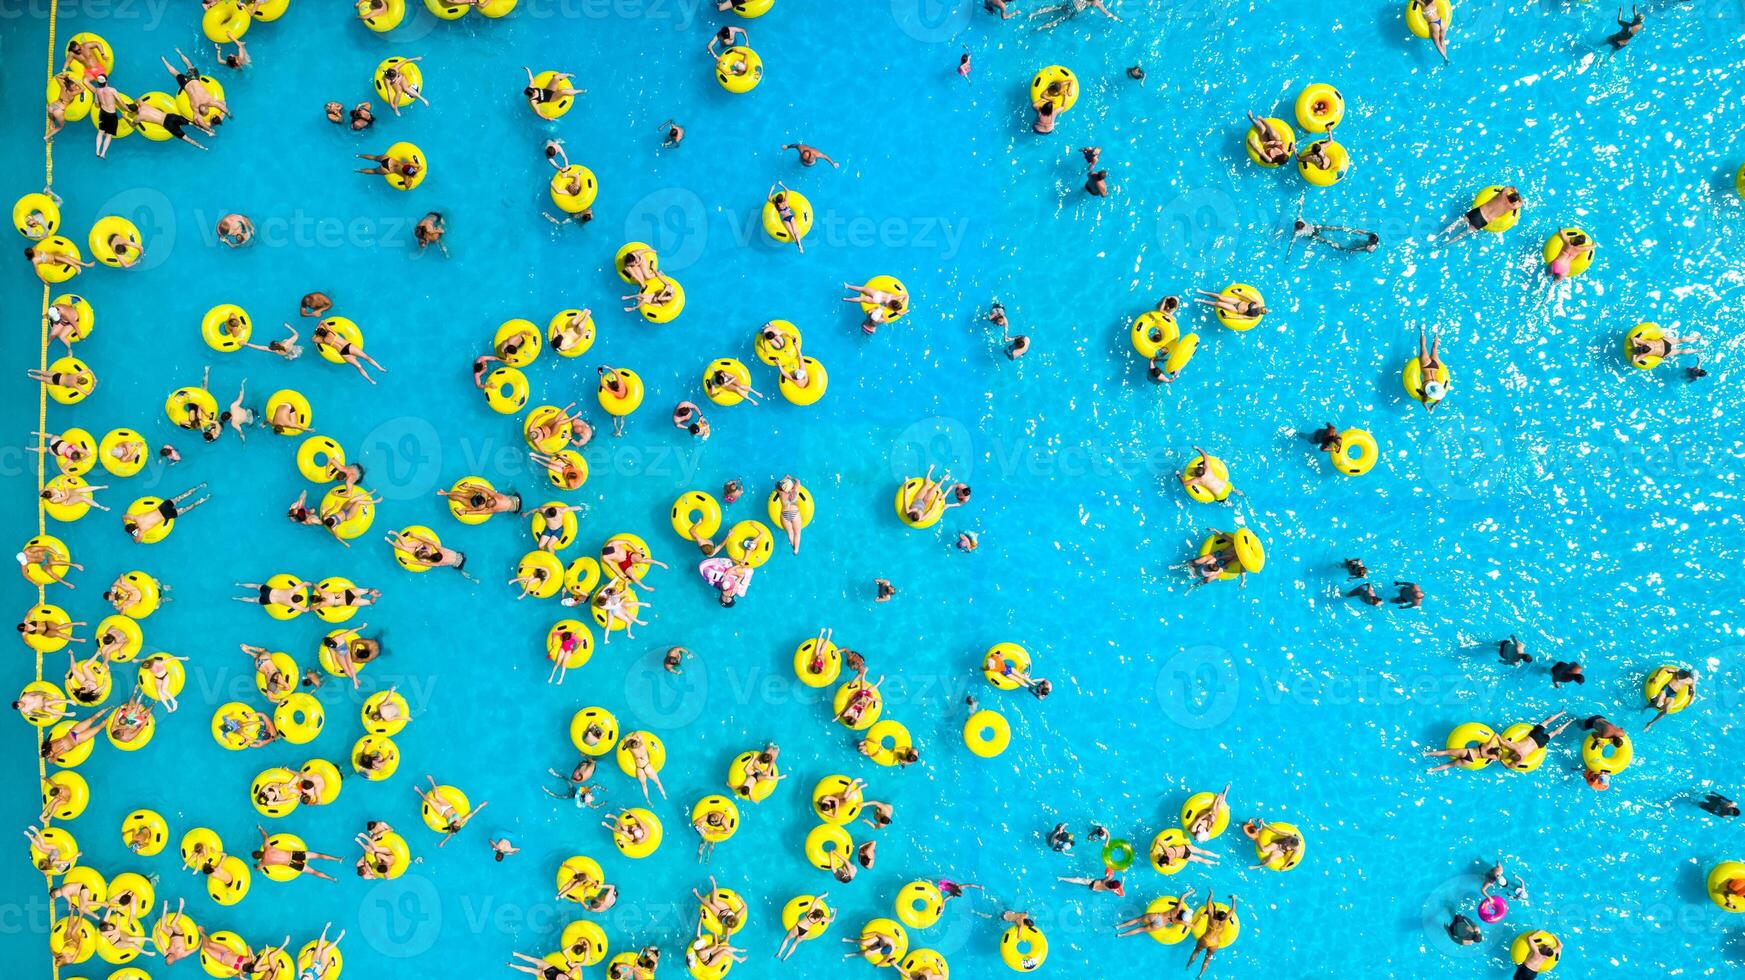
[1554,247]
[1052,75]
[1657,682]
[230,724]
[1600,755]
[906,494]
[83,379]
[846,813]
[772,219]
[65,512]
[1719,875]
[379,745]
[621,405]
[299,718]
[1203,922]
[1641,332]
[773,356]
[320,459]
[637,849]
[583,944]
[1012,657]
[826,845]
[663,311]
[1246,293]
[225,21]
[1256,148]
[58,561]
[987,733]
[1197,806]
[299,603]
[888,284]
[1195,468]
[109,450]
[1360,462]
[456,801]
[408,70]
[44,718]
[87,316]
[1176,931]
[752,8]
[553,108]
[1422,389]
[36,215]
[891,932]
[217,331]
[567,528]
[580,578]
[506,390]
[696,513]
[620,262]
[597,722]
[447,11]
[1338,160]
[1420,27]
[652,744]
[406,153]
[301,413]
[346,330]
[919,904]
[362,517]
[1151,332]
[1023,948]
[530,345]
[734,368]
[286,666]
[578,201]
[383,22]
[278,776]
[885,740]
[56,245]
[739,70]
[1507,219]
[1516,733]
[47,615]
[1470,735]
[78,795]
[330,781]
[185,105]
[103,250]
[737,773]
[1288,860]
[175,676]
[1320,107]
[716,804]
[559,327]
[371,713]
[1518,949]
[817,382]
[824,676]
[751,543]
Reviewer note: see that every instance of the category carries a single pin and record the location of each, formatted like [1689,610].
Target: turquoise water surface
[1558,494]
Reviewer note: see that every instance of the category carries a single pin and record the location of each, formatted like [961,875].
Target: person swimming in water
[810,155]
[1063,12]
[1627,29]
[1409,597]
[1682,682]
[1513,652]
[1356,240]
[673,134]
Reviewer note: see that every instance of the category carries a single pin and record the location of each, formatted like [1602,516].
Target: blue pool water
[1560,495]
